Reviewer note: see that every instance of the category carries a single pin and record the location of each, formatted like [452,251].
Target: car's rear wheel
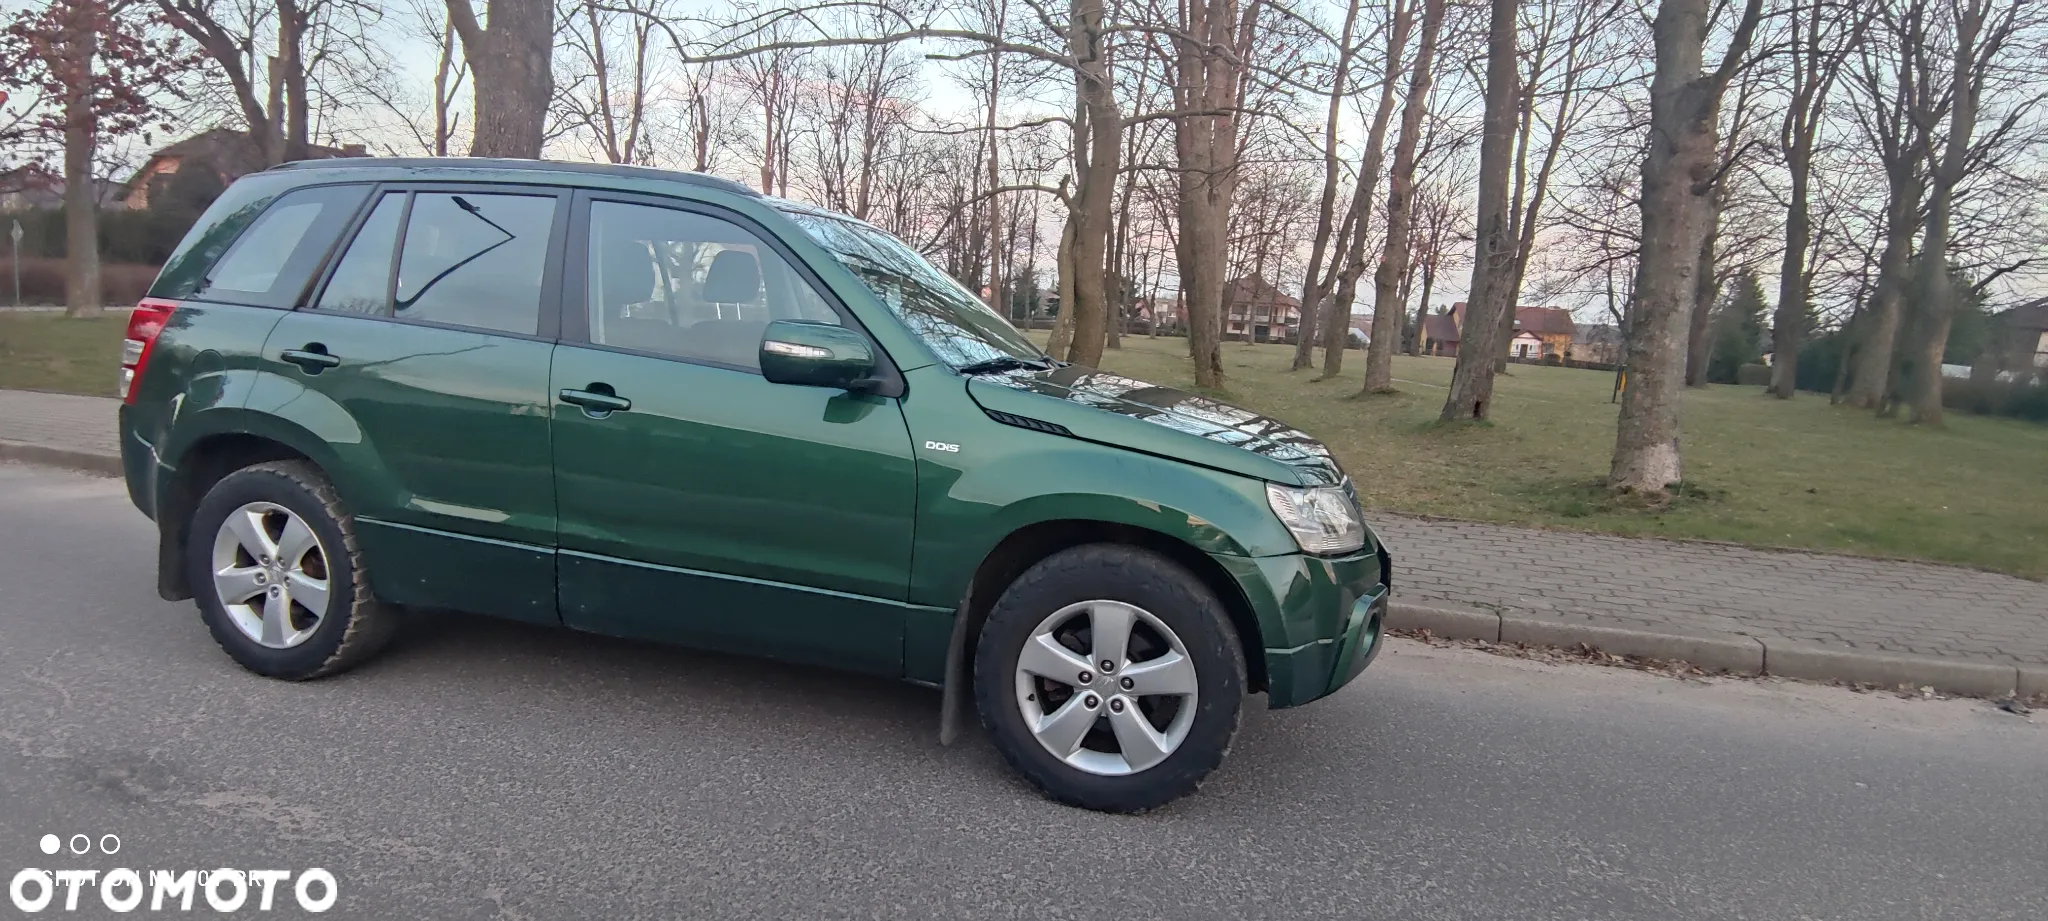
[274,566]
[1110,677]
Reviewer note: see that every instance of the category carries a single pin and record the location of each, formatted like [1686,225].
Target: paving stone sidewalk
[1846,603]
[59,420]
[1843,602]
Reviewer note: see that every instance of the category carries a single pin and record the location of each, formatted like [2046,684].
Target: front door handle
[313,359]
[595,401]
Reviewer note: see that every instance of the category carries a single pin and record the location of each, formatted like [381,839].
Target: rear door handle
[596,402]
[311,360]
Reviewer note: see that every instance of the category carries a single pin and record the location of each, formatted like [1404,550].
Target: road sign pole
[15,235]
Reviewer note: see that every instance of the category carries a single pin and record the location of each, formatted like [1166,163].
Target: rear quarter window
[259,244]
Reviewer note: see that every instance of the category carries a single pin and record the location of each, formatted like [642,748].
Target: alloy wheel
[1106,687]
[271,574]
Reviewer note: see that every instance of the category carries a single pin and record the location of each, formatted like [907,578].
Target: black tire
[1163,588]
[352,629]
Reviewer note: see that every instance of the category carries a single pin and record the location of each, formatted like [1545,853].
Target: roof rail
[505,163]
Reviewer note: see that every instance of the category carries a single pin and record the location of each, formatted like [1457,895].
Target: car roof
[480,166]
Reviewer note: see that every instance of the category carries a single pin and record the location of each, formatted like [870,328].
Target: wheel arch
[200,465]
[1025,547]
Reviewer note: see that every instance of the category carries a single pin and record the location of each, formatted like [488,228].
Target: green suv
[658,405]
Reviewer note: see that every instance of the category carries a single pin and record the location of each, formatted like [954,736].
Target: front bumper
[1321,619]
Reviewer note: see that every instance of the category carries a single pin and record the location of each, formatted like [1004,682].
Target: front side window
[689,285]
[464,259]
[960,329]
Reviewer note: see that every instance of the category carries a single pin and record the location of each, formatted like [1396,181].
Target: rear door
[710,506]
[422,363]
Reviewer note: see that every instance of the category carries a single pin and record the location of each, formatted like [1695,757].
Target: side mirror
[816,355]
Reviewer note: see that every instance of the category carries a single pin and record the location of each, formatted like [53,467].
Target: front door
[700,503]
[422,363]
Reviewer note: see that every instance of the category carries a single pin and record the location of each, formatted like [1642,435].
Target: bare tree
[1388,307]
[1563,48]
[772,81]
[1981,30]
[1706,280]
[276,112]
[433,123]
[1821,34]
[96,72]
[1471,395]
[1685,102]
[1895,99]
[605,96]
[1337,308]
[1209,47]
[1312,288]
[1439,223]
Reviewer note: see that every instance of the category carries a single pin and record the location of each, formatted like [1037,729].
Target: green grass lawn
[1766,472]
[1769,473]
[46,351]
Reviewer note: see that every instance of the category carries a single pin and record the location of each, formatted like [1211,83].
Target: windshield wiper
[1005,363]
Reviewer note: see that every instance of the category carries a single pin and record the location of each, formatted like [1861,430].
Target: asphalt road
[488,769]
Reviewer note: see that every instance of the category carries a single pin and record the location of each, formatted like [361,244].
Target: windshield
[960,329]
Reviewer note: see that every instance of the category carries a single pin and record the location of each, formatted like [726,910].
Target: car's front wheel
[274,566]
[1110,677]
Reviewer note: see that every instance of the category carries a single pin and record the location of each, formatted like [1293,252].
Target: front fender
[1005,479]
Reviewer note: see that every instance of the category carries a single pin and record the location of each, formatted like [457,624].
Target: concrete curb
[97,464]
[1979,679]
[2033,681]
[1730,652]
[1741,655]
[1453,623]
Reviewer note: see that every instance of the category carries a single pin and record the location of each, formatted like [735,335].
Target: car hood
[1098,406]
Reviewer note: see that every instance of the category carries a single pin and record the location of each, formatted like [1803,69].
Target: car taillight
[144,325]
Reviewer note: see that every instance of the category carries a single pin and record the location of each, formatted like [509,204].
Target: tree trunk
[1840,391]
[442,66]
[1095,189]
[1061,341]
[1205,145]
[82,297]
[1123,284]
[1526,202]
[1422,309]
[1788,325]
[1677,176]
[995,175]
[512,64]
[1871,378]
[1312,289]
[1336,318]
[1388,310]
[1471,395]
[1936,288]
[292,21]
[1699,347]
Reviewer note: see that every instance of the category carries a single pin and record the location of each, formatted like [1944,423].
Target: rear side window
[362,281]
[280,243]
[464,259]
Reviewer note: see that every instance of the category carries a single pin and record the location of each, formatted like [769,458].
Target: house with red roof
[1540,333]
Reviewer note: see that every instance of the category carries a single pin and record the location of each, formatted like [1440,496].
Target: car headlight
[1323,520]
